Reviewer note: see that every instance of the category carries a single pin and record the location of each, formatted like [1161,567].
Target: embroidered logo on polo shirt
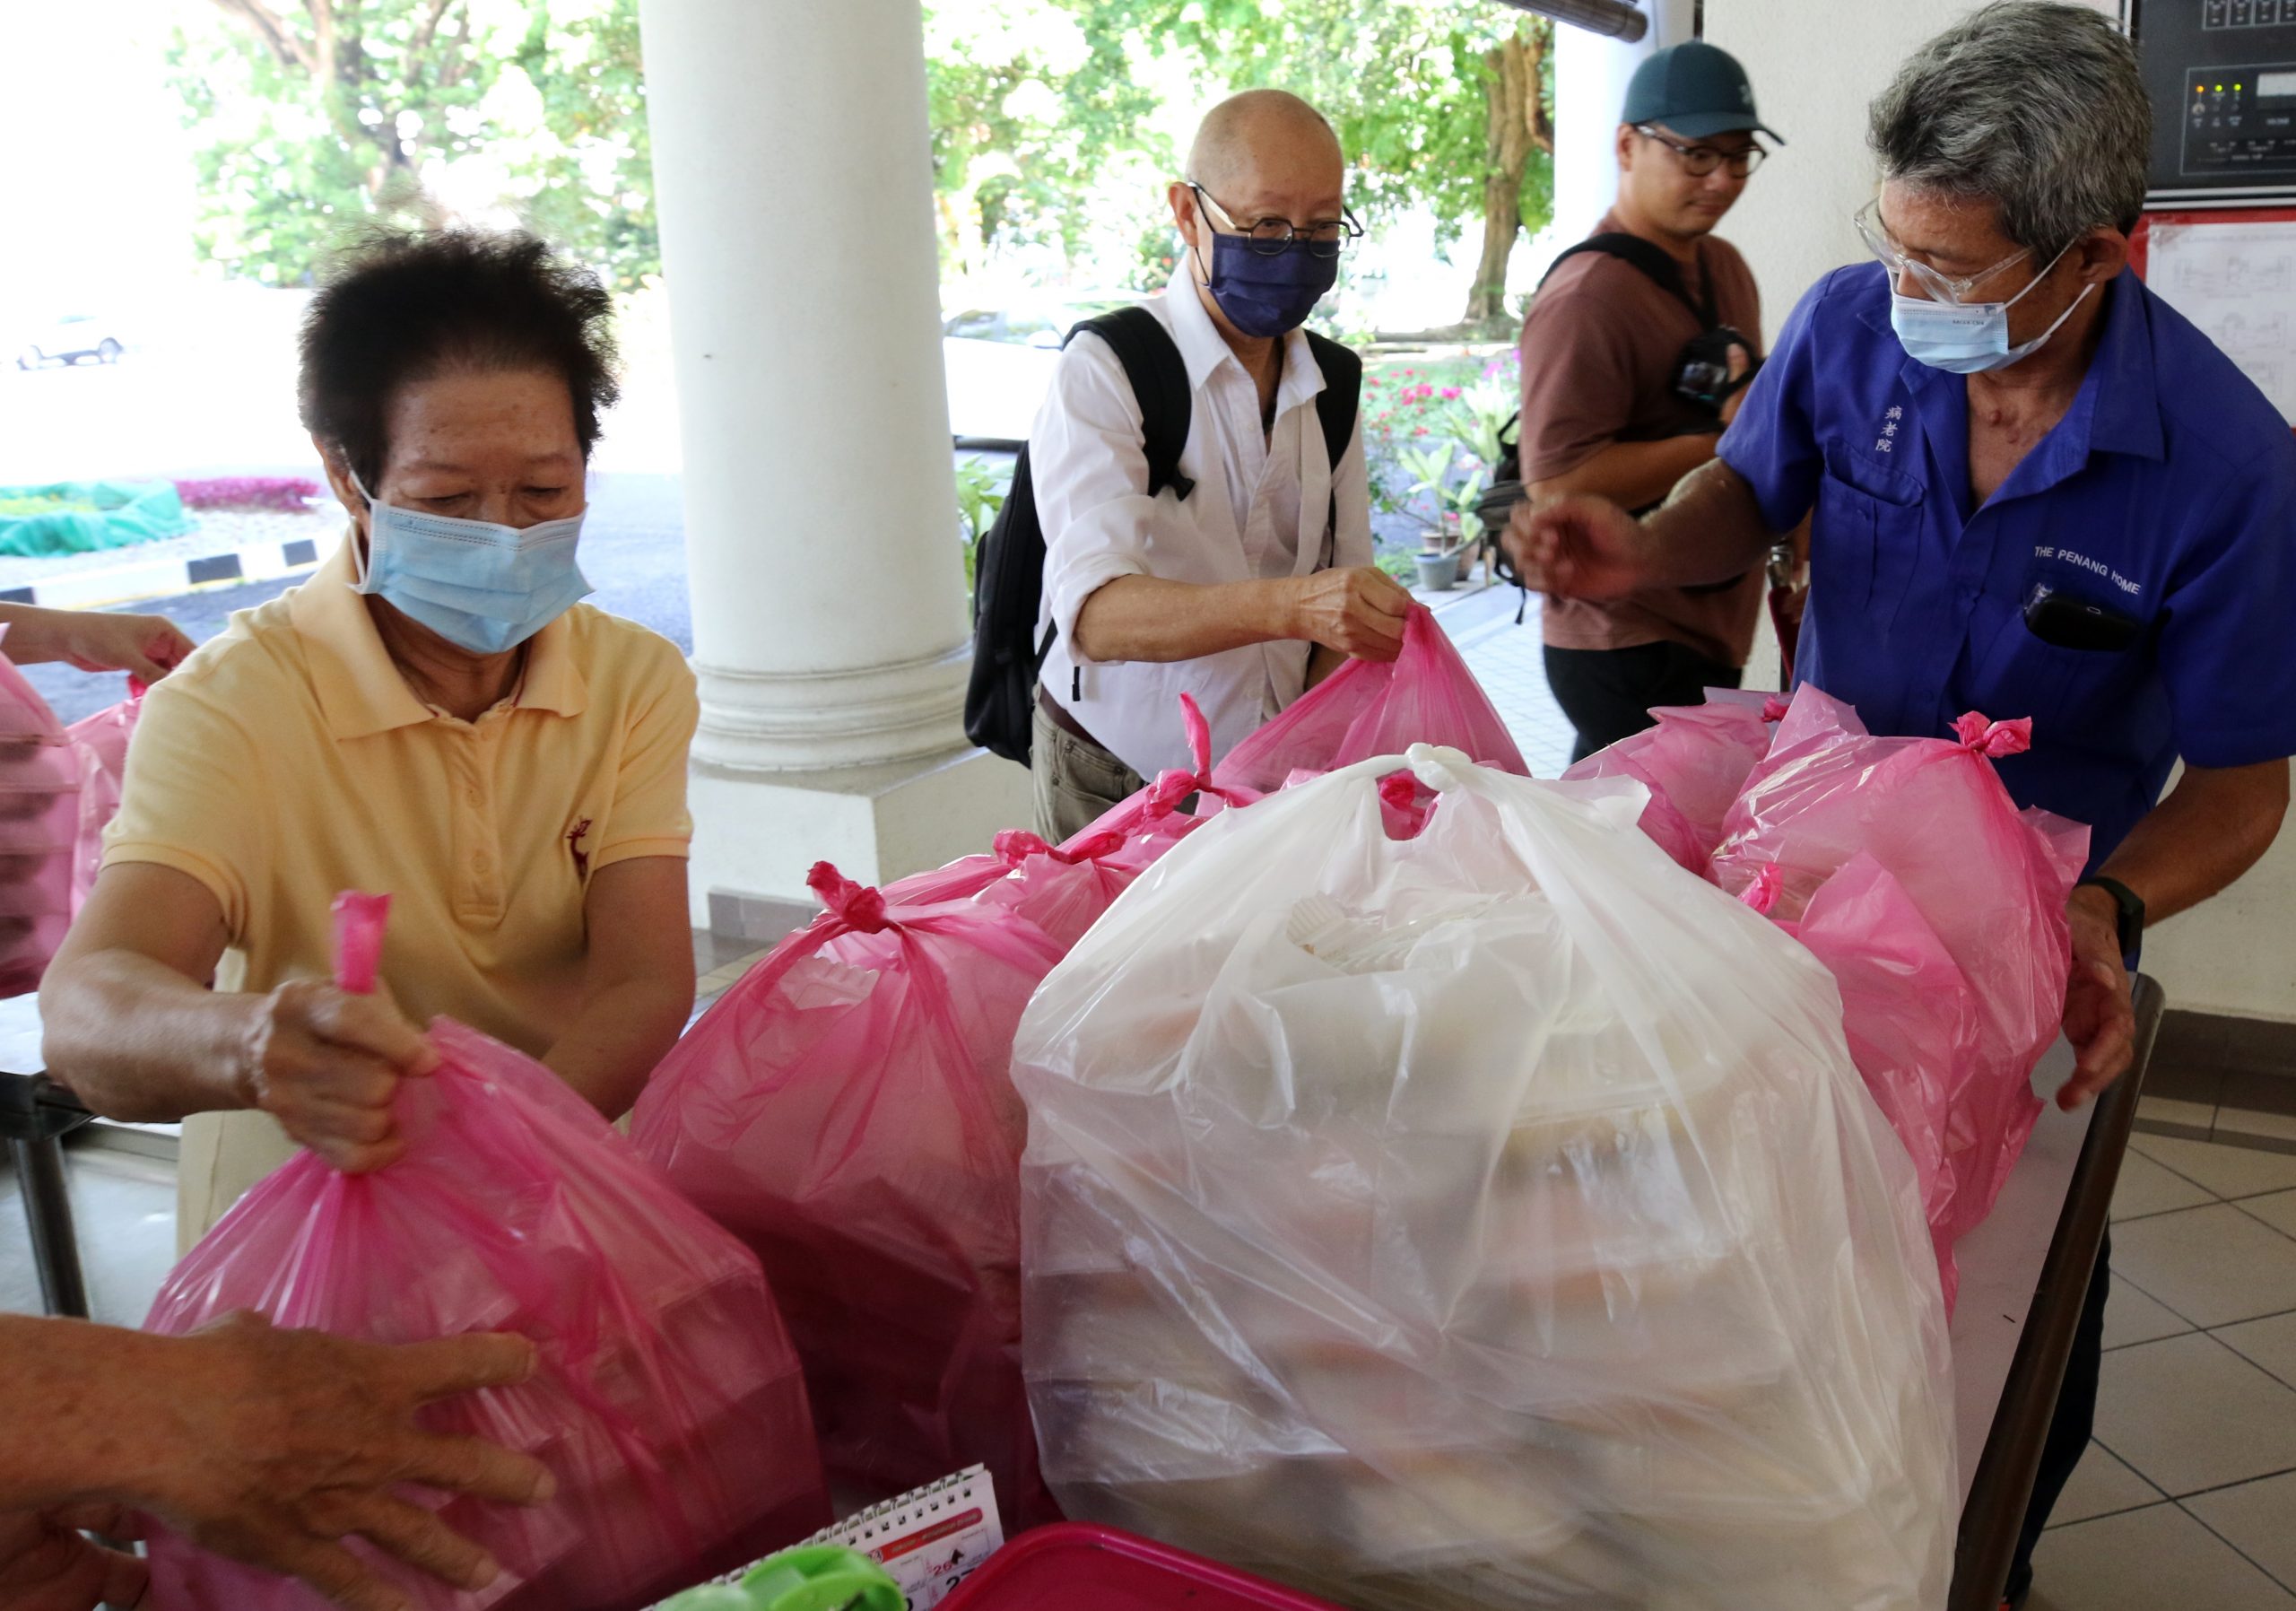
[574,838]
[1887,441]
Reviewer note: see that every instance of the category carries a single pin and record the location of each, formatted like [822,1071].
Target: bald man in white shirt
[1251,588]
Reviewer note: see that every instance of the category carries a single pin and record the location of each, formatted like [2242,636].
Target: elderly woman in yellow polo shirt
[431,714]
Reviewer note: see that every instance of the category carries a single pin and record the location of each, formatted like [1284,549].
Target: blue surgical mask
[1268,294]
[1963,338]
[481,586]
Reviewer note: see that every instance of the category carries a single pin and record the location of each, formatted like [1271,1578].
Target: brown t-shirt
[1601,348]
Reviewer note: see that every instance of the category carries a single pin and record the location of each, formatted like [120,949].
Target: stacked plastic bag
[667,1401]
[846,1109]
[1694,760]
[40,822]
[102,741]
[1491,1218]
[1940,908]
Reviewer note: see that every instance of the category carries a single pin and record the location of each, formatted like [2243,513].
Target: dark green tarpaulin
[77,516]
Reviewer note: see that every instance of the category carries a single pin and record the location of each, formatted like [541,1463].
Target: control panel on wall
[2222,78]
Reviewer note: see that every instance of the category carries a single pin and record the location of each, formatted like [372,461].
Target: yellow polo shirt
[287,761]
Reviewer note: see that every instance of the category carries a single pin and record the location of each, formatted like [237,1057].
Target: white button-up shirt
[1259,511]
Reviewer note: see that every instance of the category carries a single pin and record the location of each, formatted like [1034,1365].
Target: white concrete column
[793,176]
[1590,76]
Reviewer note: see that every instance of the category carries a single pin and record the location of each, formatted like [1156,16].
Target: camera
[1702,374]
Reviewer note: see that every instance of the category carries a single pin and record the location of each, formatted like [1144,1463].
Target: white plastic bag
[1490,1219]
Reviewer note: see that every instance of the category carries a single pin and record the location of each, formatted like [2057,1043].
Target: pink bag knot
[1994,739]
[1400,790]
[1763,894]
[1016,845]
[1774,707]
[856,905]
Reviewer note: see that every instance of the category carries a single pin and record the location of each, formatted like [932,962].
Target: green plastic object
[79,516]
[823,1577]
[813,1577]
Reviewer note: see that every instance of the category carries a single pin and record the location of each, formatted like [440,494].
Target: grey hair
[2034,106]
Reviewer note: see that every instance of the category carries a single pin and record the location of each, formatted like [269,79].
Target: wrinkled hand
[1576,547]
[277,1445]
[147,647]
[2099,1017]
[45,1566]
[1357,612]
[327,1065]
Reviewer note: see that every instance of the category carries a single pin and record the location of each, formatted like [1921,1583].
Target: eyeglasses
[1272,237]
[1939,287]
[1699,160]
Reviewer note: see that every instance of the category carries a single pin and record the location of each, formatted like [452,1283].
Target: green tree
[1030,104]
[318,113]
[1438,104]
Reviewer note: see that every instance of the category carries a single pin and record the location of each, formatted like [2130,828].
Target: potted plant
[1430,466]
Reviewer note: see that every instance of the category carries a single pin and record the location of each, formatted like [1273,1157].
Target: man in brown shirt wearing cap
[1635,355]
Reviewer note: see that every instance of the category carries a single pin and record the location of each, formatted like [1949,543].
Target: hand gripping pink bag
[102,741]
[39,824]
[1988,885]
[1366,708]
[1695,761]
[847,1109]
[668,1402]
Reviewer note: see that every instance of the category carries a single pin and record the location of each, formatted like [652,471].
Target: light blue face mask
[481,586]
[1963,338]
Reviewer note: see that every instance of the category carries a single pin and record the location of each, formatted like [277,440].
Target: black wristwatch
[2131,910]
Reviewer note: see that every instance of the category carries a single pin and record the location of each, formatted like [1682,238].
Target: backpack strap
[1342,393]
[1336,408]
[1661,269]
[1159,375]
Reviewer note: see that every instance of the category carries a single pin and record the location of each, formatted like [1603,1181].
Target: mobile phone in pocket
[2070,622]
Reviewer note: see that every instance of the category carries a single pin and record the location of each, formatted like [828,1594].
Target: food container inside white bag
[1491,1218]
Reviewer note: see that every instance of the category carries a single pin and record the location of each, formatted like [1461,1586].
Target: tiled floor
[2187,1496]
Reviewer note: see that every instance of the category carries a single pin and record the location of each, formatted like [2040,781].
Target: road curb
[166,578]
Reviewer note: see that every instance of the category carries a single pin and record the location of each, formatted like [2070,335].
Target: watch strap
[2131,910]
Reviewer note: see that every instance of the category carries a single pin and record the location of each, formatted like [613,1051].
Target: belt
[1062,720]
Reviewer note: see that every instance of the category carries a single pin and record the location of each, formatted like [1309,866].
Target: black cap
[1696,90]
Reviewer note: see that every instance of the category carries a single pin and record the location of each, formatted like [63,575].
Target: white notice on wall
[2237,282]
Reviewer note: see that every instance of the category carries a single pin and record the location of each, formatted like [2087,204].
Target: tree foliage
[320,114]
[1032,104]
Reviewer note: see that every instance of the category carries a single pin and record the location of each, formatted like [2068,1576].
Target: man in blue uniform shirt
[2035,490]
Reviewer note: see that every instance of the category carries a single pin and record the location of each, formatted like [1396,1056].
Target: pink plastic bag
[668,1402]
[1910,1016]
[39,821]
[1695,761]
[1154,819]
[847,1109]
[1365,708]
[1988,883]
[102,741]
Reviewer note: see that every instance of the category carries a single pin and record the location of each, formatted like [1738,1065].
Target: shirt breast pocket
[2069,691]
[1865,532]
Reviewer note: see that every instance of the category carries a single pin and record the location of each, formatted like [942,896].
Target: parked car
[71,338]
[999,363]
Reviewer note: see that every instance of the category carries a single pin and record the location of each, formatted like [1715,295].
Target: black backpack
[1008,580]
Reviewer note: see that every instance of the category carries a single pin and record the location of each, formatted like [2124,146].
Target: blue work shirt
[2166,494]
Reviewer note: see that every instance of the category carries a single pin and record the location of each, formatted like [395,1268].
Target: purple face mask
[1268,295]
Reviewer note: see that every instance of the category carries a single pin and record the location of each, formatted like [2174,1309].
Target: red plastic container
[1075,1566]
